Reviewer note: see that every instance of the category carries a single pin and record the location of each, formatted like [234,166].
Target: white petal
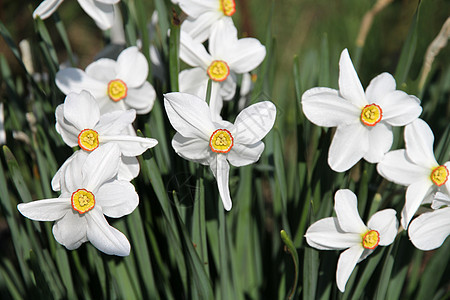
[189,115]
[222,177]
[350,144]
[419,141]
[71,175]
[324,107]
[105,237]
[130,145]
[141,99]
[46,8]
[103,69]
[70,231]
[102,13]
[325,234]
[192,149]
[386,223]
[350,87]
[81,110]
[246,55]
[400,108]
[415,194]
[379,87]
[380,141]
[200,28]
[75,80]
[223,38]
[193,53]
[346,263]
[397,167]
[60,174]
[254,122]
[242,155]
[193,81]
[128,168]
[439,200]
[107,105]
[346,207]
[228,87]
[195,8]
[101,165]
[132,67]
[115,122]
[216,101]
[117,198]
[429,230]
[45,210]
[67,130]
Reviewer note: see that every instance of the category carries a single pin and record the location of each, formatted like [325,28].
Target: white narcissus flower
[116,85]
[202,140]
[429,230]
[102,11]
[364,120]
[203,14]
[347,230]
[417,168]
[91,191]
[227,56]
[79,123]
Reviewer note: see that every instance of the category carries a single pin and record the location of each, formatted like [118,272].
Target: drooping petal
[132,67]
[193,53]
[189,115]
[192,149]
[429,230]
[200,28]
[105,237]
[114,123]
[103,69]
[130,145]
[222,177]
[72,80]
[81,110]
[215,101]
[380,141]
[419,141]
[228,87]
[70,231]
[399,108]
[350,87]
[415,194]
[324,107]
[386,223]
[350,144]
[346,263]
[141,99]
[102,13]
[67,130]
[46,8]
[346,207]
[45,210]
[242,155]
[379,87]
[70,172]
[325,234]
[117,198]
[397,167]
[254,122]
[59,178]
[128,168]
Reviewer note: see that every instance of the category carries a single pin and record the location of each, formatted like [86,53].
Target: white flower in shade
[2,127]
[364,120]
[102,11]
[79,123]
[417,168]
[202,140]
[227,56]
[347,230]
[90,191]
[429,230]
[203,14]
[116,85]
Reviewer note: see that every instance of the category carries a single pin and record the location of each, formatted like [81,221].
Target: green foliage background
[184,245]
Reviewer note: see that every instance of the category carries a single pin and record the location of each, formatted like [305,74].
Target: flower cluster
[364,122]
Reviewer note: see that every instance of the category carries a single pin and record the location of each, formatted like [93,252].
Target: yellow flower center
[228,7]
[370,239]
[221,141]
[88,139]
[371,114]
[82,201]
[218,70]
[439,175]
[117,90]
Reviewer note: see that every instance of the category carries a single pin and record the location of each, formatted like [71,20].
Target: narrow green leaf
[290,248]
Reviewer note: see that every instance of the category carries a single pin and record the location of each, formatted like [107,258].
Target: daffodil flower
[90,191]
[348,231]
[364,120]
[227,56]
[429,230]
[202,140]
[116,85]
[417,168]
[79,123]
[203,14]
[102,11]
